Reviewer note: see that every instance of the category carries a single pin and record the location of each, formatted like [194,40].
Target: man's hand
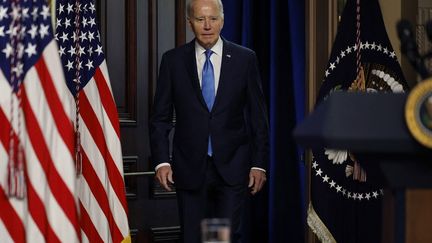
[164,175]
[257,178]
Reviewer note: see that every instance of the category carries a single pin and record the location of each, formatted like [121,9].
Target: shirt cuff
[258,168]
[161,164]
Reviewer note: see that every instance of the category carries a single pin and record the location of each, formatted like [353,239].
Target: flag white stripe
[61,158]
[5,91]
[95,157]
[84,238]
[97,161]
[111,139]
[95,213]
[5,98]
[3,165]
[55,69]
[18,206]
[33,234]
[4,233]
[59,152]
[113,144]
[104,70]
[57,218]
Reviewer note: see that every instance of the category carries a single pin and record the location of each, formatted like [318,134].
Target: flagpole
[52,4]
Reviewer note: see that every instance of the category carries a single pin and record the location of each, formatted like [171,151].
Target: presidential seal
[418,112]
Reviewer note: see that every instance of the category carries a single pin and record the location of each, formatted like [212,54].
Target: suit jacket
[237,123]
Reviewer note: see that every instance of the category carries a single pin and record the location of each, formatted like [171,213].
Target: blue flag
[346,195]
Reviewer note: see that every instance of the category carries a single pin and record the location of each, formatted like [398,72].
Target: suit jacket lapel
[192,70]
[226,69]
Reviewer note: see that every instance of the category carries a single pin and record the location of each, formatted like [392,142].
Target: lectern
[372,126]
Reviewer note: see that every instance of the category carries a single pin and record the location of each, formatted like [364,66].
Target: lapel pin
[228,55]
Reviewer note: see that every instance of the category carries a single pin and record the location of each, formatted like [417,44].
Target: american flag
[36,130]
[102,200]
[36,102]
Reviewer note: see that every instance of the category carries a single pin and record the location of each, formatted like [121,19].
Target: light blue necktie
[208,88]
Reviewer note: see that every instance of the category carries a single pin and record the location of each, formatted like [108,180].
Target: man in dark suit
[220,144]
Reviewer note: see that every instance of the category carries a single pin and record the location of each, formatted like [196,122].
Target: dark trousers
[215,199]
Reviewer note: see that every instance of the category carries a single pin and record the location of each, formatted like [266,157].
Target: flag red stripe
[10,218]
[57,186]
[107,100]
[88,227]
[35,205]
[63,123]
[96,131]
[101,196]
[4,130]
[38,213]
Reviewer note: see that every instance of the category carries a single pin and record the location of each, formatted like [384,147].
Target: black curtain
[275,30]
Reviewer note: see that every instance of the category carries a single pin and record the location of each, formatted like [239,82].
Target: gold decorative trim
[127,239]
[318,227]
[418,112]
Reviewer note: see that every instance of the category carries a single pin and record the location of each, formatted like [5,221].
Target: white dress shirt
[215,58]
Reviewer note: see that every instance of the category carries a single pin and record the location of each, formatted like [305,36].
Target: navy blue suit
[237,123]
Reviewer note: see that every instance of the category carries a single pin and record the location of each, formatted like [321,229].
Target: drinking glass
[215,230]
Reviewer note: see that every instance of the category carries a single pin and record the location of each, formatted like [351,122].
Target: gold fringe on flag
[127,239]
[318,227]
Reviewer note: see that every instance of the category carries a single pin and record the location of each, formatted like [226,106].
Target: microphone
[409,47]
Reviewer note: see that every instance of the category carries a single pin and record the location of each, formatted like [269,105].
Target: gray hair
[189,8]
